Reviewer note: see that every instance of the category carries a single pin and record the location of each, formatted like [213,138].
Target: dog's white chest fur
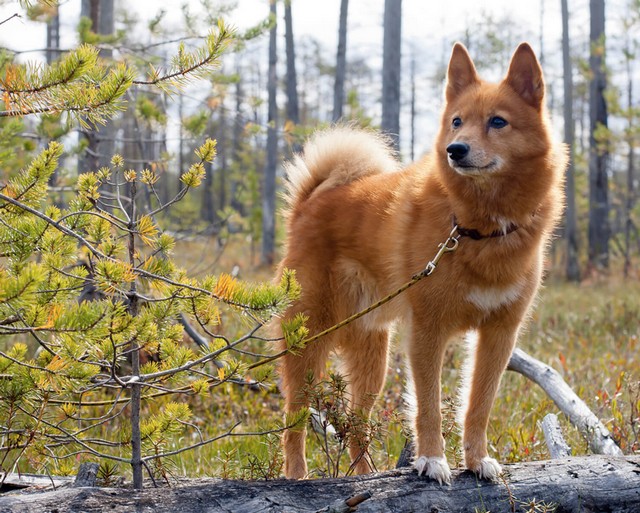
[488,299]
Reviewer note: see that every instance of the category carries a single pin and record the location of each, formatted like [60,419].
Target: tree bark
[269,183]
[571,223]
[341,63]
[293,113]
[101,142]
[236,150]
[412,145]
[630,137]
[181,168]
[391,66]
[53,37]
[587,484]
[51,54]
[214,198]
[222,160]
[599,230]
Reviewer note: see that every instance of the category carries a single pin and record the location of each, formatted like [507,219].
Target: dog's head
[487,128]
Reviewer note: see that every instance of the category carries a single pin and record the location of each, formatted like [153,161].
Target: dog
[359,226]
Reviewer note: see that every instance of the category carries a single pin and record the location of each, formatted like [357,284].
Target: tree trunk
[571,224]
[222,139]
[181,168]
[214,195]
[630,200]
[341,63]
[412,146]
[101,142]
[391,66]
[53,37]
[207,207]
[236,151]
[599,230]
[587,484]
[293,113]
[52,53]
[269,183]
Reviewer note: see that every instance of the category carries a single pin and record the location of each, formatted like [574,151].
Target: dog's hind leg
[294,372]
[494,345]
[365,362]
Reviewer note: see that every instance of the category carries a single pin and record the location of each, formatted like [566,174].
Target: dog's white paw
[487,468]
[434,468]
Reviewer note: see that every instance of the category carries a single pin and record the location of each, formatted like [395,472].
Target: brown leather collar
[476,235]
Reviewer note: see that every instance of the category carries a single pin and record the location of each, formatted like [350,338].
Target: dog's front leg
[426,355]
[490,353]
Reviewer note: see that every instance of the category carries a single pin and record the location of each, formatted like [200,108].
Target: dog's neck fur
[491,206]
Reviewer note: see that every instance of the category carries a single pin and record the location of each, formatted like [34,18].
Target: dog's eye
[497,122]
[456,123]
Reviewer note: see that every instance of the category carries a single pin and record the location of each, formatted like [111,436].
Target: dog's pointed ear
[461,73]
[525,76]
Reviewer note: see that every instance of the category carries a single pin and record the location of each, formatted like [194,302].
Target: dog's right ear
[461,74]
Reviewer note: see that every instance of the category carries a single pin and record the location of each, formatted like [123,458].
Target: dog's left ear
[525,76]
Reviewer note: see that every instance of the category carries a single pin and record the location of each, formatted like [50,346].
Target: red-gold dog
[359,227]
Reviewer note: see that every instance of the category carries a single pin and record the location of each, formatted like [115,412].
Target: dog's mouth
[468,168]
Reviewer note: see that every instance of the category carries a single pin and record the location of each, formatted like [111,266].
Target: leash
[448,246]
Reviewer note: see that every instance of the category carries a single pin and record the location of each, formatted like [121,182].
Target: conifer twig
[14,15]
[137,270]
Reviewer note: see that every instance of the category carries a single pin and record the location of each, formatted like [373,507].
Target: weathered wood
[585,484]
[600,441]
[406,455]
[87,474]
[557,445]
[35,481]
[346,506]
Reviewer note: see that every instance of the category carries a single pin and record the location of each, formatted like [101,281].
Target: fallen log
[584,484]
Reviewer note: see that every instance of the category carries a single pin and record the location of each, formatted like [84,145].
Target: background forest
[140,167]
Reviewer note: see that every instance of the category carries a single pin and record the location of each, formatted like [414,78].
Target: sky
[429,28]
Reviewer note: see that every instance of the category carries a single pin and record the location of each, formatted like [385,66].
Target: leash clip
[449,245]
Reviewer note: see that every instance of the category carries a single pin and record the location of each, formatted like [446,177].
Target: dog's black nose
[457,151]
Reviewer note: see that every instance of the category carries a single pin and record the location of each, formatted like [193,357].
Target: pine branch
[271,305]
[187,65]
[102,102]
[34,79]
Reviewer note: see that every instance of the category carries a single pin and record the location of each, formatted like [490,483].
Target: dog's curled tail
[337,156]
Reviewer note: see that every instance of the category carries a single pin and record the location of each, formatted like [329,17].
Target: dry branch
[585,484]
[558,447]
[600,441]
